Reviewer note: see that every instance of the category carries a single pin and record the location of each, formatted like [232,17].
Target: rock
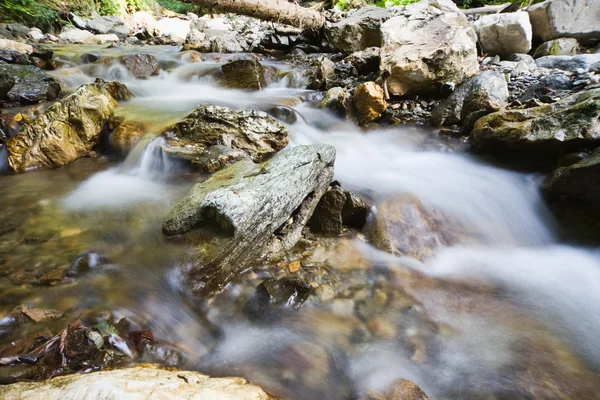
[11,45]
[108,25]
[75,35]
[404,226]
[339,101]
[505,33]
[19,31]
[205,135]
[214,35]
[141,66]
[568,63]
[557,47]
[102,39]
[126,135]
[26,84]
[355,211]
[578,182]
[369,102]
[327,217]
[546,130]
[479,96]
[555,19]
[277,294]
[140,382]
[401,389]
[77,21]
[36,34]
[433,45]
[68,129]
[249,212]
[555,86]
[243,74]
[358,31]
[85,263]
[176,29]
[365,61]
[323,74]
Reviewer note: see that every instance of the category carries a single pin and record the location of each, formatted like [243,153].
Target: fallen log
[280,11]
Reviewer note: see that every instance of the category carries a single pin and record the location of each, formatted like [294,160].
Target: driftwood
[280,11]
[249,212]
[486,9]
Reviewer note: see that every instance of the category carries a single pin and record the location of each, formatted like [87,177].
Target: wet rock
[339,101]
[546,130]
[568,63]
[26,84]
[277,294]
[75,35]
[248,212]
[568,159]
[243,74]
[358,31]
[557,47]
[505,33]
[400,390]
[369,102]
[365,61]
[140,66]
[126,135]
[327,217]
[161,353]
[251,134]
[355,211]
[136,383]
[579,181]
[85,263]
[12,45]
[485,93]
[555,19]
[430,46]
[68,129]
[323,75]
[405,226]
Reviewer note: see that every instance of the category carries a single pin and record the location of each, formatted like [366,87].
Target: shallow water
[511,313]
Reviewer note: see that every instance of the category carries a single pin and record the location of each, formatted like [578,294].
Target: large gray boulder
[557,47]
[554,19]
[485,93]
[504,34]
[429,44]
[568,124]
[358,31]
[212,137]
[26,84]
[249,212]
[141,382]
[568,63]
[68,129]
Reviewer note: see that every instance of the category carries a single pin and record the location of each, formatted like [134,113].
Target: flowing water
[509,313]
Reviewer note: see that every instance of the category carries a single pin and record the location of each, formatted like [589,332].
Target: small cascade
[147,159]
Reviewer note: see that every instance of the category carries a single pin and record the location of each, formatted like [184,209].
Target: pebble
[343,307]
[325,293]
[294,266]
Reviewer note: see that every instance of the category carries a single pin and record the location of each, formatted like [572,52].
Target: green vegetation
[51,15]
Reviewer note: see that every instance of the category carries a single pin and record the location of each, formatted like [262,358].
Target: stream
[507,311]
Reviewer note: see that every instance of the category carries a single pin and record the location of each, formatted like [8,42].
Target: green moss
[554,49]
